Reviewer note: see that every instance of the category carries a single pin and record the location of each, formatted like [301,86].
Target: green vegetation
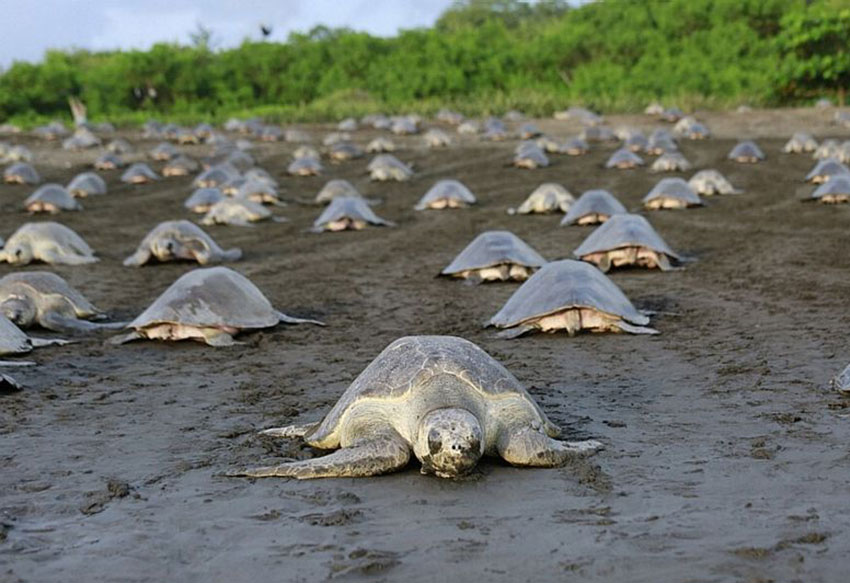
[482,56]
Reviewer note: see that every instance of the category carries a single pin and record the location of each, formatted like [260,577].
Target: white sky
[29,27]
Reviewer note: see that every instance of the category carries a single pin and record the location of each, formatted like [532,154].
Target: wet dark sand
[726,452]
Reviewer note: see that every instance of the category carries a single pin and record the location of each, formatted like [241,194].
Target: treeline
[481,56]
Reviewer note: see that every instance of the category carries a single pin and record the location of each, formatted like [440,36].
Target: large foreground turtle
[210,305]
[348,213]
[41,298]
[626,240]
[593,207]
[48,242]
[495,256]
[175,240]
[571,296]
[441,398]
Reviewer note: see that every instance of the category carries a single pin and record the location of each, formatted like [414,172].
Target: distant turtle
[593,207]
[139,173]
[469,127]
[654,109]
[528,131]
[404,125]
[800,142]
[549,197]
[270,134]
[385,167]
[293,135]
[349,124]
[203,199]
[746,152]
[627,240]
[495,256]
[21,173]
[337,188]
[237,212]
[825,169]
[380,144]
[833,191]
[119,146]
[305,167]
[436,138]
[450,117]
[575,147]
[259,191]
[238,161]
[185,136]
[571,296]
[83,138]
[624,159]
[210,305]
[446,194]
[347,214]
[179,166]
[305,152]
[670,162]
[9,129]
[841,381]
[51,198]
[41,298]
[109,161]
[688,127]
[164,152]
[828,149]
[636,143]
[441,398]
[672,114]
[180,240]
[48,242]
[711,182]
[19,153]
[530,156]
[598,133]
[260,175]
[86,184]
[215,176]
[671,193]
[336,138]
[13,340]
[514,115]
[378,121]
[345,151]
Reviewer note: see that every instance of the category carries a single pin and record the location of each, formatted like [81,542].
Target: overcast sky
[29,27]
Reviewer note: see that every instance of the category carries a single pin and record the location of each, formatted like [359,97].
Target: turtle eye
[18,253]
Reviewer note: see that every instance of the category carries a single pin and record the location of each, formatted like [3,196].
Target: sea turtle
[825,169]
[293,135]
[469,127]
[626,240]
[688,127]
[800,142]
[378,121]
[593,207]
[51,198]
[672,114]
[746,152]
[711,182]
[380,144]
[86,184]
[530,156]
[336,138]
[349,124]
[841,381]
[827,149]
[13,340]
[211,305]
[305,167]
[404,125]
[655,109]
[238,161]
[514,115]
[549,145]
[572,296]
[436,138]
[624,159]
[347,214]
[185,136]
[598,133]
[181,165]
[164,152]
[236,211]
[337,188]
[41,298]
[580,114]
[305,152]
[495,256]
[343,151]
[9,129]
[270,134]
[109,161]
[139,173]
[670,162]
[441,398]
[385,167]
[119,146]
[48,242]
[547,198]
[833,191]
[215,176]
[575,147]
[259,191]
[446,194]
[494,130]
[528,131]
[19,153]
[449,117]
[636,143]
[203,199]
[180,240]
[671,193]
[260,175]
[81,139]
[21,173]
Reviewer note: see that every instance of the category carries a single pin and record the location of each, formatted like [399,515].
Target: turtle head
[18,254]
[19,311]
[165,248]
[450,442]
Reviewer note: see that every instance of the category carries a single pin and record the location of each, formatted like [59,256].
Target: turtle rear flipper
[58,323]
[632,329]
[41,342]
[291,320]
[372,456]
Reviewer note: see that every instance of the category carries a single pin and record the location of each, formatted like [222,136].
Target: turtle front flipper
[139,258]
[125,338]
[515,332]
[290,431]
[218,338]
[59,323]
[61,257]
[40,342]
[291,320]
[526,446]
[632,329]
[372,456]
